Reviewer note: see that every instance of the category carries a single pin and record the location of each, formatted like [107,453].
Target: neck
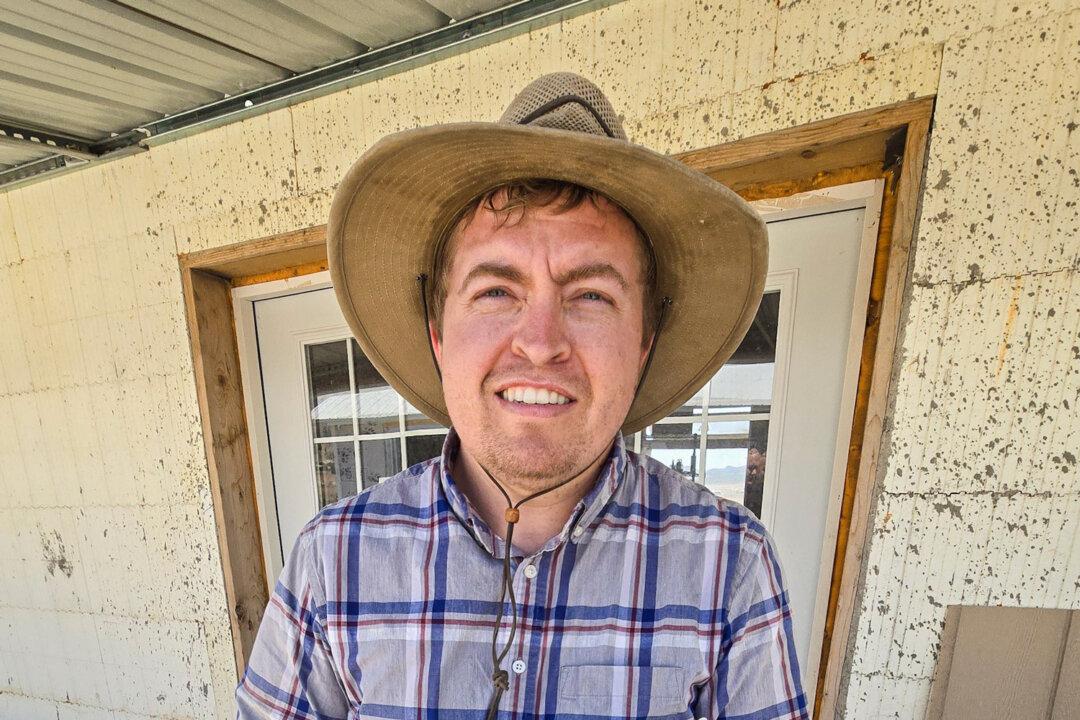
[542,517]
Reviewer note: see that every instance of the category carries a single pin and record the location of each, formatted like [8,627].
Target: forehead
[564,234]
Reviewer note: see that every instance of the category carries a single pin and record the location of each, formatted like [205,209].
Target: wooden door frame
[888,142]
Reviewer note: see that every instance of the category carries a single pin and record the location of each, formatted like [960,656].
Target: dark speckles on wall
[947,504]
[55,554]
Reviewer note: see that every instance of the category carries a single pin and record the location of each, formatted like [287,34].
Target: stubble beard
[530,464]
[539,454]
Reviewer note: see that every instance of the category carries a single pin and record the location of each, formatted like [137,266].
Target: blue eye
[487,293]
[595,295]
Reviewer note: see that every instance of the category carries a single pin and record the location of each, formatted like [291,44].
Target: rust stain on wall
[1010,321]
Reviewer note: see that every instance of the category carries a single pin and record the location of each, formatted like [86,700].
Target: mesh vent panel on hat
[565,96]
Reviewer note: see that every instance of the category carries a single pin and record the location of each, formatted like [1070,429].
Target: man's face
[550,302]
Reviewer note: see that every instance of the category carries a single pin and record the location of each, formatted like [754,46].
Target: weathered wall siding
[988,392]
[980,499]
[111,596]
[1008,99]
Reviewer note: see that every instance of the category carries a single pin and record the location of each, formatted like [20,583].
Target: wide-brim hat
[402,196]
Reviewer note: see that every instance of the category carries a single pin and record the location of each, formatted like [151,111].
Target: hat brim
[403,193]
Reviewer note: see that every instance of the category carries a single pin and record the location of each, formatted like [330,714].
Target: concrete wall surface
[112,600]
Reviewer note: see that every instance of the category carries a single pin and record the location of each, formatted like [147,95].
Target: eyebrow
[512,274]
[499,270]
[598,269]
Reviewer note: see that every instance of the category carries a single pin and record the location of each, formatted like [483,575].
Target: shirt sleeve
[757,676]
[290,673]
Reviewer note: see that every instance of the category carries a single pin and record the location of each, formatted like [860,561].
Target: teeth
[533,396]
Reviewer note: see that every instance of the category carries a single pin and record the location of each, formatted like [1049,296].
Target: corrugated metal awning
[89,77]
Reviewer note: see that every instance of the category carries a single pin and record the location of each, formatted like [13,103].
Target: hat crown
[564,101]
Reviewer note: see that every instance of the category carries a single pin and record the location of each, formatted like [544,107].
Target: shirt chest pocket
[623,691]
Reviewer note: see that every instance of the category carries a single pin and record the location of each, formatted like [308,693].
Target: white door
[331,425]
[770,429]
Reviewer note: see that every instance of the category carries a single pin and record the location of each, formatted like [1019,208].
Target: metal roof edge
[454,39]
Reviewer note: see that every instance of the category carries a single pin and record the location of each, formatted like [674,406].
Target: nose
[540,334]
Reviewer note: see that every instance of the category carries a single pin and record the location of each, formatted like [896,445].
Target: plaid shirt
[657,599]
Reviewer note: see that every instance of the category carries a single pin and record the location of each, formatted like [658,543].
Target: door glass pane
[725,459]
[747,377]
[736,449]
[676,445]
[379,459]
[736,386]
[690,408]
[416,420]
[755,464]
[376,401]
[328,383]
[421,447]
[335,471]
[734,463]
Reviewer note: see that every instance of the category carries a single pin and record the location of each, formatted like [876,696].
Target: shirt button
[530,571]
[519,666]
[578,532]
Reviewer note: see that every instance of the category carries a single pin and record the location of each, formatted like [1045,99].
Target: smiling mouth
[524,395]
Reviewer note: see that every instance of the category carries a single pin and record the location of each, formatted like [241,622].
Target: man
[526,313]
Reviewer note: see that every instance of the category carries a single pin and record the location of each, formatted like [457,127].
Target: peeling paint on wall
[111,595]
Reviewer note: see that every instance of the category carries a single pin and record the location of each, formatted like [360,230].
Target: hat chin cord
[501,678]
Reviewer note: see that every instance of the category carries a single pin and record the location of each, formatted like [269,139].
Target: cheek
[469,345]
[608,359]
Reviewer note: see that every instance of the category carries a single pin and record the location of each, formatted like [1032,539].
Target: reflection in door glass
[735,406]
[677,445]
[376,401]
[335,471]
[690,408]
[416,420]
[755,464]
[328,384]
[358,422]
[379,459]
[422,447]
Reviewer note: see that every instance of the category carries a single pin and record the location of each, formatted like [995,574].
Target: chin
[539,475]
[529,454]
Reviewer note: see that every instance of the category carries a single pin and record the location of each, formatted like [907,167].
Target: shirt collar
[577,526]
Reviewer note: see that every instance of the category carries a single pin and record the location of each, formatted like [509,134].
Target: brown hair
[519,197]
